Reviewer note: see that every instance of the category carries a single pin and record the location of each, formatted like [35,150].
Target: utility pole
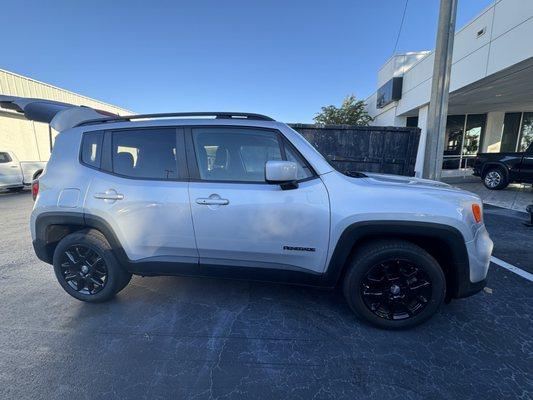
[440,86]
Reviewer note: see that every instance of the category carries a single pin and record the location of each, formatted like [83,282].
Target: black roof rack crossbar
[217,115]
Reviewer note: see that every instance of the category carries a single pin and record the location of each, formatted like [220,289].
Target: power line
[401,26]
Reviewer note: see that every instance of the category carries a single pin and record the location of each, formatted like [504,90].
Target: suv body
[499,169]
[189,197]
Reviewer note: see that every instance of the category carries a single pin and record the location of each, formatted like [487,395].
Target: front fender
[408,230]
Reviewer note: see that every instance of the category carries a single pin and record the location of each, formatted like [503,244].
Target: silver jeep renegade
[243,196]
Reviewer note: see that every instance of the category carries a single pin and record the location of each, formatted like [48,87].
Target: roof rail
[217,115]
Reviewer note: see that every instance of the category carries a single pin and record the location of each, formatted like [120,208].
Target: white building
[31,141]
[491,87]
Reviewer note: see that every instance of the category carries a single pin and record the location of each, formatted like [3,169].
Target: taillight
[35,188]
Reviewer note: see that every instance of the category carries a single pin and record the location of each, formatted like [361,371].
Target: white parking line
[512,268]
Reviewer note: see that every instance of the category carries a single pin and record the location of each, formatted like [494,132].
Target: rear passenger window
[145,153]
[4,158]
[91,148]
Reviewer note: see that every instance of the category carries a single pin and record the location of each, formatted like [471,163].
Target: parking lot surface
[170,337]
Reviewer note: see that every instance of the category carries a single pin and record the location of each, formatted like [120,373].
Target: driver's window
[234,154]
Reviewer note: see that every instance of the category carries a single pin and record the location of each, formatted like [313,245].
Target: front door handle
[212,202]
[109,195]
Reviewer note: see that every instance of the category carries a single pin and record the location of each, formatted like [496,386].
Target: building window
[511,129]
[475,127]
[517,132]
[526,131]
[411,122]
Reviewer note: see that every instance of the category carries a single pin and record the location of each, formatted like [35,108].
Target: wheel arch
[445,243]
[491,164]
[37,173]
[51,227]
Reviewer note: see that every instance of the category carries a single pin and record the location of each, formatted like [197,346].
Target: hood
[409,182]
[405,180]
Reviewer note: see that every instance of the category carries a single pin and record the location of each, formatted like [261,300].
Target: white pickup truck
[15,174]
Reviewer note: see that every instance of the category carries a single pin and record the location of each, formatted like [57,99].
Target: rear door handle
[212,202]
[109,195]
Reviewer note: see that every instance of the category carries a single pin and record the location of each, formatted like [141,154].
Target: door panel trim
[221,262]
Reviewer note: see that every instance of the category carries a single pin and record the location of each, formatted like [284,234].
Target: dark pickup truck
[499,169]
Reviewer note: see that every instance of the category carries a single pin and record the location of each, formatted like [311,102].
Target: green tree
[351,112]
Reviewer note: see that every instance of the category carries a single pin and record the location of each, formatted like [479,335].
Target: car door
[526,167]
[241,220]
[10,171]
[140,189]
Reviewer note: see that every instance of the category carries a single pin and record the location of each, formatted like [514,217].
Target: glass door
[462,141]
[474,131]
[453,141]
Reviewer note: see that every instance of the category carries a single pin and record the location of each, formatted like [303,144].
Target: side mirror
[283,173]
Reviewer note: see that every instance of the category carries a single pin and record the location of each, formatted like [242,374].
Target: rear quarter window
[91,148]
[5,158]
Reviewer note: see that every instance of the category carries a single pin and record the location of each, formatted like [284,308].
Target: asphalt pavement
[192,338]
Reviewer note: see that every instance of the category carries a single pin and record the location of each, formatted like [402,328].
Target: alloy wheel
[396,290]
[83,269]
[493,179]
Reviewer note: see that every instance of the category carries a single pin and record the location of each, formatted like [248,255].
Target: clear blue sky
[278,57]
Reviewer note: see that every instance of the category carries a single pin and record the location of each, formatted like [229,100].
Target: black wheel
[495,178]
[86,267]
[394,284]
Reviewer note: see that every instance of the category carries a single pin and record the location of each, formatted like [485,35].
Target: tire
[370,291]
[495,178]
[37,174]
[86,267]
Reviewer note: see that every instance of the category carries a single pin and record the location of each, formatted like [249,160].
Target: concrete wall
[27,139]
[422,124]
[398,64]
[387,115]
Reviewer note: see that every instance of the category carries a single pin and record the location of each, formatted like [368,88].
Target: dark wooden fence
[390,150]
